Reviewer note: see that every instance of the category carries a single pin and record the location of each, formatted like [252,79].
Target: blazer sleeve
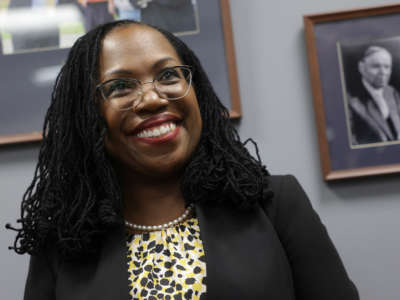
[317,270]
[40,283]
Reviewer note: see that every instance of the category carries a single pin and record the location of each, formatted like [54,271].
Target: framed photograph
[354,61]
[35,37]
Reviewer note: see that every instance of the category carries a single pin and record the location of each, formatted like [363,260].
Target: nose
[150,99]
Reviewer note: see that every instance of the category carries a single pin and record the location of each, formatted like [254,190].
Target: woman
[143,189]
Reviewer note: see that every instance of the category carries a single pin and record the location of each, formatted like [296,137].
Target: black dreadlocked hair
[74,197]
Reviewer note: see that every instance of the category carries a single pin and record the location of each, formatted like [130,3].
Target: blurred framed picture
[354,62]
[35,37]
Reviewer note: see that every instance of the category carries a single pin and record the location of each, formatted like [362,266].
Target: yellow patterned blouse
[167,264]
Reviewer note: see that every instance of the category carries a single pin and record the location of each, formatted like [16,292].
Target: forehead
[380,56]
[135,47]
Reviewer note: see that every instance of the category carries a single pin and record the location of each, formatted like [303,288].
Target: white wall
[362,216]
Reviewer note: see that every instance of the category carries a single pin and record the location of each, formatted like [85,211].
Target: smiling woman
[133,139]
[143,189]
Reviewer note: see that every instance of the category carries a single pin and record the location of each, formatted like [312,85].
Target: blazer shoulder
[287,193]
[276,181]
[318,272]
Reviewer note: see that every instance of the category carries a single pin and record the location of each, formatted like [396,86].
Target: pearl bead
[163,226]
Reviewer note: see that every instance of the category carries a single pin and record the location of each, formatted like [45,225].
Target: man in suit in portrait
[375,107]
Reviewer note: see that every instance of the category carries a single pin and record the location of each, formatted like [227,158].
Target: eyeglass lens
[171,84]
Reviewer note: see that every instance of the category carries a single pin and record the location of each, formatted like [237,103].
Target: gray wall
[361,215]
[16,169]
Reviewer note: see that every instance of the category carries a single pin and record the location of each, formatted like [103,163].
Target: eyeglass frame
[154,87]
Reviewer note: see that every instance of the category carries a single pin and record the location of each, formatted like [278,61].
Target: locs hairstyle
[74,197]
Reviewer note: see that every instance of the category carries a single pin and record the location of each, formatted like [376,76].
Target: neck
[151,201]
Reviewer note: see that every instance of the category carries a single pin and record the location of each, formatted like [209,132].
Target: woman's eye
[119,88]
[169,75]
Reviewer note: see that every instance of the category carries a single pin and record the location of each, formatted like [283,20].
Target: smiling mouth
[157,131]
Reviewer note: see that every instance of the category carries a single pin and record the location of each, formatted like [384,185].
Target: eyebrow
[128,72]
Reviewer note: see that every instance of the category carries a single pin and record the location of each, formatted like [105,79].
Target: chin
[165,172]
[163,167]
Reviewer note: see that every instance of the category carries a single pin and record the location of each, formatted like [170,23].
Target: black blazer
[279,251]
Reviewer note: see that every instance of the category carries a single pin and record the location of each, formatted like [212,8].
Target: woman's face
[155,137]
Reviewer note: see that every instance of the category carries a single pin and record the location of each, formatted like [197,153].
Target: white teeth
[157,131]
[164,129]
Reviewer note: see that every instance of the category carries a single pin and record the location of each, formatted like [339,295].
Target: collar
[377,97]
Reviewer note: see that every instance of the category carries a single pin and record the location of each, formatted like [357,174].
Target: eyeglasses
[171,83]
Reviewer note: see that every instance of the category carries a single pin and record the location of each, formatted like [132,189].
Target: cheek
[111,146]
[199,123]
[374,72]
[369,75]
[112,138]
[118,152]
[112,119]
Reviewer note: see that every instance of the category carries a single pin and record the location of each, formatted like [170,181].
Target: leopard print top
[167,264]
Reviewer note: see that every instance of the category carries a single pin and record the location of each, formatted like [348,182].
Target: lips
[158,139]
[154,121]
[157,131]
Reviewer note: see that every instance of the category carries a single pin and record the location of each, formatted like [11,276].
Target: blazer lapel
[103,276]
[394,109]
[244,256]
[111,277]
[360,109]
[377,117]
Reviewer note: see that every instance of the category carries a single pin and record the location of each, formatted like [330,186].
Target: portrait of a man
[374,106]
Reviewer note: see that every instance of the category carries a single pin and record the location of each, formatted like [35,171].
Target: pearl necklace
[163,226]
